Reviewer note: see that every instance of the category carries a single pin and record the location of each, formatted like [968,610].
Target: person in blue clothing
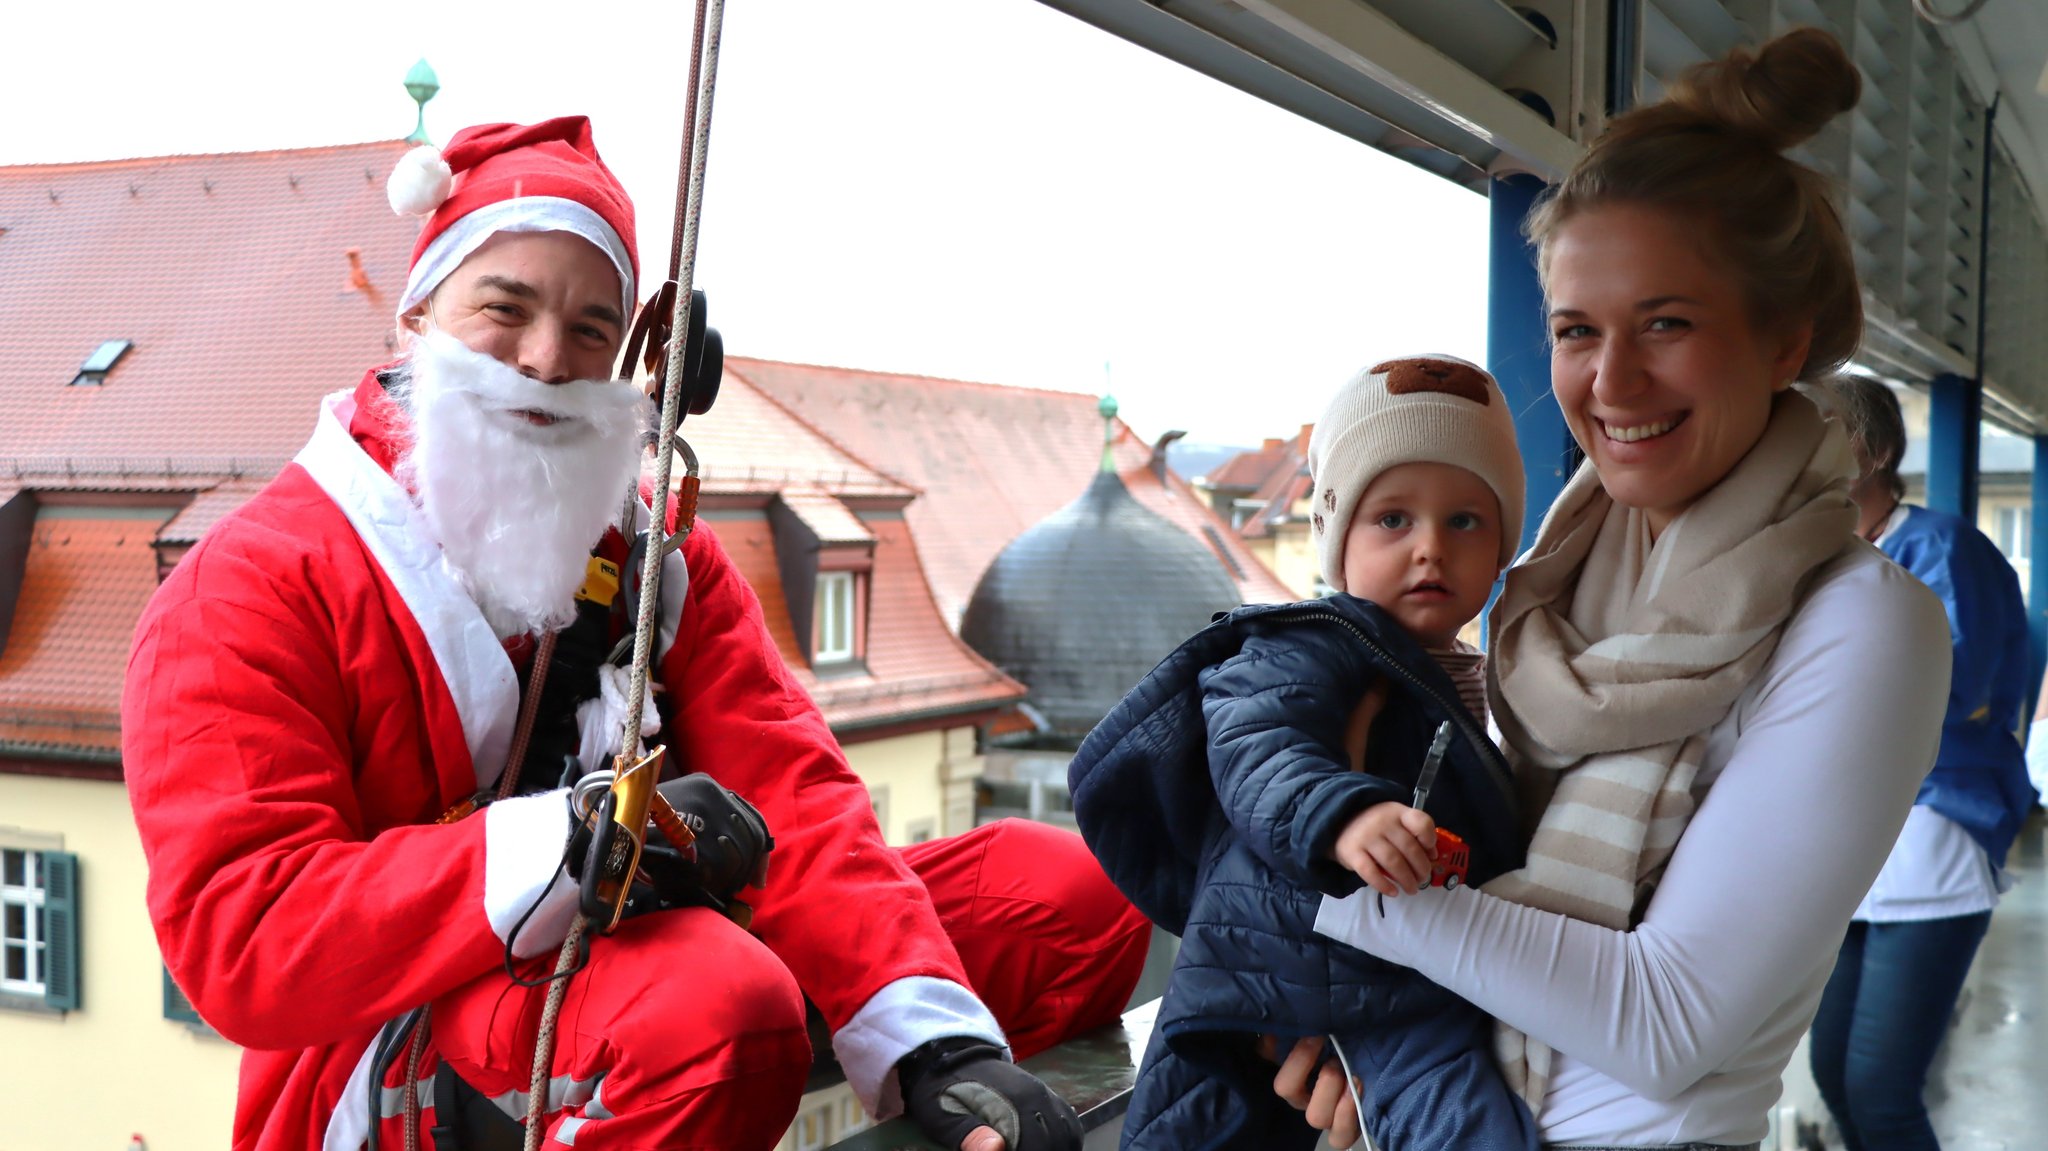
[1911,942]
[1231,789]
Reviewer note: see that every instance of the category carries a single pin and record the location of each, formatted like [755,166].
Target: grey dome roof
[1087,600]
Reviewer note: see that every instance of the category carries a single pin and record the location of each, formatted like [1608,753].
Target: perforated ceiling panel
[1908,160]
[1471,88]
[2016,320]
[1462,88]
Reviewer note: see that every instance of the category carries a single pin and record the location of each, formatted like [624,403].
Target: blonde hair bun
[1714,150]
[1780,95]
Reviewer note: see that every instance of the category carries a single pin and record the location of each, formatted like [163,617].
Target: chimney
[1158,460]
[358,276]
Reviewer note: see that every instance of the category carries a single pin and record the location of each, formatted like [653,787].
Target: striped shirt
[1466,665]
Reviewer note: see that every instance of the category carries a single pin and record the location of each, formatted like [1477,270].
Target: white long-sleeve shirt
[1677,1031]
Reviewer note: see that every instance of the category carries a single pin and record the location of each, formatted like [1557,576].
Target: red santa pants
[685,1032]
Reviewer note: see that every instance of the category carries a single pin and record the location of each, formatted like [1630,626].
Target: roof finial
[421,84]
[1107,409]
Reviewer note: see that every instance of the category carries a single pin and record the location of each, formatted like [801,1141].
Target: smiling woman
[1692,271]
[1697,644]
[1663,375]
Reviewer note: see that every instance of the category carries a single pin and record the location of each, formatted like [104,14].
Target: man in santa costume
[342,661]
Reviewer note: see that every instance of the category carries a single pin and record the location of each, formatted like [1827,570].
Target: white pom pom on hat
[420,183]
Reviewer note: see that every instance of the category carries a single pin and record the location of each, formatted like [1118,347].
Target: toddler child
[1237,784]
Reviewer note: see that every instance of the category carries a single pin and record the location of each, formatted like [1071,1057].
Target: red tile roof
[749,443]
[89,572]
[988,461]
[1274,476]
[231,275]
[915,666]
[206,509]
[1248,470]
[831,521]
[1285,487]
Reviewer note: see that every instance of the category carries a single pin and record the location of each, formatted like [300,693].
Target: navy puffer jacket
[1212,795]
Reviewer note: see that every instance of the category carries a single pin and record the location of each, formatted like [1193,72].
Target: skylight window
[94,371]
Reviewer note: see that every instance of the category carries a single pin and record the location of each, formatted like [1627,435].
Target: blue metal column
[2037,572]
[1952,430]
[1518,348]
[1624,54]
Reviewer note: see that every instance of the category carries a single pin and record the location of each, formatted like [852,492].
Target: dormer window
[826,555]
[93,372]
[838,614]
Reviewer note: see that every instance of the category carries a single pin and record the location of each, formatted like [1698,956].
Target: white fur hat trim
[526,214]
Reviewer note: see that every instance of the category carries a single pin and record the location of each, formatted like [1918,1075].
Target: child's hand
[1391,846]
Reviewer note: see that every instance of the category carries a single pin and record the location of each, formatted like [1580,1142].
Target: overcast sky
[981,189]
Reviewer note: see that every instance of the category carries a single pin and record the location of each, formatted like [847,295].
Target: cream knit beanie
[1422,409]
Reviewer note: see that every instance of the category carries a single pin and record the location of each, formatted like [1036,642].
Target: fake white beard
[517,506]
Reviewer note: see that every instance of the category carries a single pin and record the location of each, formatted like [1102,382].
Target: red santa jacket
[311,688]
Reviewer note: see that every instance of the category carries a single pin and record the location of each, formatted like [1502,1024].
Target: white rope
[712,15]
[671,400]
[544,1043]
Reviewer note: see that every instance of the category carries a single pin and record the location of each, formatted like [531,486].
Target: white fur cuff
[523,842]
[896,1020]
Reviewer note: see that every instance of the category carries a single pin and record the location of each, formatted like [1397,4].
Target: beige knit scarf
[1612,657]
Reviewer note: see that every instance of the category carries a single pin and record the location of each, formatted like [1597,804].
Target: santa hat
[1421,409]
[493,178]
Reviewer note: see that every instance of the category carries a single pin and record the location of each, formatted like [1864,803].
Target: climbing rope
[685,220]
[544,1045]
[683,265]
[415,1052]
[711,14]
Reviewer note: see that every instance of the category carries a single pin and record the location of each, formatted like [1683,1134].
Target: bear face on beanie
[1418,409]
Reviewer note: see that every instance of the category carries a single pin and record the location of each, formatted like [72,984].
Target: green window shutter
[60,930]
[176,1006]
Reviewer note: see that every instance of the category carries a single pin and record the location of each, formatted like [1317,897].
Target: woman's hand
[1315,1087]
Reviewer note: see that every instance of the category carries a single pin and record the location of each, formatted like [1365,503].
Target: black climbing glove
[733,842]
[951,1086]
[733,845]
